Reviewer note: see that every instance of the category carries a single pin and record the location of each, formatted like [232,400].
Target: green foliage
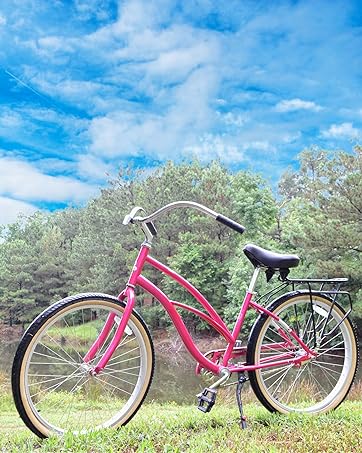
[318,216]
[323,216]
[155,316]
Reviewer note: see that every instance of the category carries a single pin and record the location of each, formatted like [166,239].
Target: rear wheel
[317,385]
[53,388]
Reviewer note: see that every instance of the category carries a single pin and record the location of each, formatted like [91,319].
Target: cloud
[223,147]
[214,147]
[160,135]
[137,15]
[343,131]
[175,65]
[10,209]
[293,105]
[21,180]
[9,120]
[55,85]
[2,20]
[92,167]
[164,80]
[234,119]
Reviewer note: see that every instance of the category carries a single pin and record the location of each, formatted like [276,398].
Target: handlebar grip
[230,223]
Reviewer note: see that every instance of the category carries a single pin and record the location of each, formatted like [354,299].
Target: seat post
[253,280]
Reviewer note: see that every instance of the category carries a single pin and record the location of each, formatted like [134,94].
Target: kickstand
[241,381]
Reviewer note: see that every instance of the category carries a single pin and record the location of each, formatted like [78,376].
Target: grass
[81,332]
[172,428]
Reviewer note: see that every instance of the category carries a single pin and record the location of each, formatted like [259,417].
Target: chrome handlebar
[131,217]
[149,229]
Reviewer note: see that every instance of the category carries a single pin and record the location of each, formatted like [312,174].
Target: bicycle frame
[211,317]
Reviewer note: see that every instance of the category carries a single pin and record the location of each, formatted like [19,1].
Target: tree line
[316,213]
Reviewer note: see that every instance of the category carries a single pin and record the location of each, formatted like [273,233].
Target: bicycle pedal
[206,399]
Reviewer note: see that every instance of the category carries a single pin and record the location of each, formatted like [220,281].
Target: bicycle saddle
[263,258]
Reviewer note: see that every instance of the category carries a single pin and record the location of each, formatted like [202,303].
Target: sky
[90,86]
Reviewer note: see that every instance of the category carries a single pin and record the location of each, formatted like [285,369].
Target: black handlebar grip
[230,223]
[152,228]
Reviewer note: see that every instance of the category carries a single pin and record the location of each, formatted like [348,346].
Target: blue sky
[89,86]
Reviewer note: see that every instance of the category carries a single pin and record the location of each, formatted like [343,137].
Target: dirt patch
[10,334]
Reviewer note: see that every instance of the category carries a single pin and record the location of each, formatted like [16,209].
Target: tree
[323,218]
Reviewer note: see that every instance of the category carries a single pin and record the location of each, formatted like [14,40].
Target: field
[172,428]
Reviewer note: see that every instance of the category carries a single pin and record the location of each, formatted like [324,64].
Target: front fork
[112,318]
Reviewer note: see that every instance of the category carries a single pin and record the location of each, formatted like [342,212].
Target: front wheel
[317,385]
[54,390]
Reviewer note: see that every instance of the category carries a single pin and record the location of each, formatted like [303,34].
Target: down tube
[179,324]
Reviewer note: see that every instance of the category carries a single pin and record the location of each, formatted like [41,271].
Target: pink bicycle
[87,361]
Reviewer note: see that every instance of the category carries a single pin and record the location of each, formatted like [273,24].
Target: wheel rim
[321,383]
[60,391]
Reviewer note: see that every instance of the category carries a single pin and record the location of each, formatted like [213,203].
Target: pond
[174,378]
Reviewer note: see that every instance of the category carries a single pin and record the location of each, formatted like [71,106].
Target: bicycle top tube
[150,230]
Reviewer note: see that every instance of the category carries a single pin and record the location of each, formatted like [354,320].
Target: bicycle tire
[91,396]
[280,394]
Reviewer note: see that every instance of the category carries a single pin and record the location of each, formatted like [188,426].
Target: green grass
[83,332]
[172,428]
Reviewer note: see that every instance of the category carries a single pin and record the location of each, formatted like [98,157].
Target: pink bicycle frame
[211,316]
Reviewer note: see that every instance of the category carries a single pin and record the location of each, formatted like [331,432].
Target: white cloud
[234,119]
[214,147]
[79,92]
[9,119]
[137,15]
[2,20]
[10,209]
[259,145]
[149,44]
[293,105]
[94,167]
[226,149]
[54,165]
[177,63]
[161,135]
[344,130]
[88,9]
[21,180]
[292,137]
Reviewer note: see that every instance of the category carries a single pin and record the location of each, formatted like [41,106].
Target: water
[174,378]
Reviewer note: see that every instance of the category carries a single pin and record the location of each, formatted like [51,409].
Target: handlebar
[148,225]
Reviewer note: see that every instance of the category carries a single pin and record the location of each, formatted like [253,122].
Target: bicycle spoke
[317,382]
[333,348]
[327,376]
[48,380]
[111,385]
[111,373]
[58,357]
[276,374]
[337,335]
[289,391]
[123,380]
[326,368]
[59,346]
[126,360]
[280,380]
[55,386]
